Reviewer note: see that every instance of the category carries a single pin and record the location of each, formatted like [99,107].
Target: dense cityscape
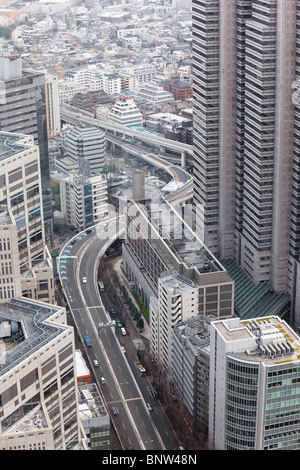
[149,227]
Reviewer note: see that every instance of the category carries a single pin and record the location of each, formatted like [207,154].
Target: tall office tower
[23,110]
[39,408]
[244,167]
[86,146]
[254,385]
[25,264]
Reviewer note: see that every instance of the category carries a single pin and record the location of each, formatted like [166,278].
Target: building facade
[254,385]
[125,112]
[52,105]
[86,147]
[23,110]
[246,176]
[84,200]
[26,266]
[38,389]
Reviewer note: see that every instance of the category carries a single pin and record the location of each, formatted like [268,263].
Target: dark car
[88,231]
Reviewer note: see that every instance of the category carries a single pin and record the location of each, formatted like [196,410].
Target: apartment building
[25,261]
[38,390]
[246,123]
[254,385]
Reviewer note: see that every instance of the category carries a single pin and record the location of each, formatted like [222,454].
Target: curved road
[133,422]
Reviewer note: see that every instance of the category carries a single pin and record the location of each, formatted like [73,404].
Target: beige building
[38,389]
[25,261]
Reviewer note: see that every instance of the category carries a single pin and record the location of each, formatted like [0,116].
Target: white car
[84,280]
[102,380]
[96,363]
[123,349]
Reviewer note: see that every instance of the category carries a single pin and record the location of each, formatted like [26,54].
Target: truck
[123,331]
[87,341]
[140,368]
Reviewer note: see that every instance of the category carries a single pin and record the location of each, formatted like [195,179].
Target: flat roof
[30,330]
[267,339]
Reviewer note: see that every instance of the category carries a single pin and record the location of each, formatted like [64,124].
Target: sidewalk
[146,330]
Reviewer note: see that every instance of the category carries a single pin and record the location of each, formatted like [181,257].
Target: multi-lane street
[124,392]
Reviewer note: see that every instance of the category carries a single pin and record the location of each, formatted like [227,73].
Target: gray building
[246,137]
[190,357]
[86,147]
[23,110]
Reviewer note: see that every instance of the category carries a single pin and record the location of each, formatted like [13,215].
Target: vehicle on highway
[96,363]
[84,280]
[102,380]
[123,349]
[119,324]
[114,410]
[88,231]
[87,341]
[149,406]
[73,242]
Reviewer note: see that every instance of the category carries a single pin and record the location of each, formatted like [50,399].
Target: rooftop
[29,330]
[267,339]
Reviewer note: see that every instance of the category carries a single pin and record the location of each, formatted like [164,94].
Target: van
[123,331]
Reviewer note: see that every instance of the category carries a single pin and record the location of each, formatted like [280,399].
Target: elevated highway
[183,153]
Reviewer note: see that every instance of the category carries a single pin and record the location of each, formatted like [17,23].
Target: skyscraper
[23,110]
[246,137]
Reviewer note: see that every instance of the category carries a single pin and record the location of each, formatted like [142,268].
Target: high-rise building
[39,402]
[254,379]
[25,265]
[23,110]
[246,137]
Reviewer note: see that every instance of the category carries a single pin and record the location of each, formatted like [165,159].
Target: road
[134,424]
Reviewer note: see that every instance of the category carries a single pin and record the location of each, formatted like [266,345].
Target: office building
[23,110]
[254,385]
[125,112]
[246,137]
[38,388]
[25,265]
[173,273]
[86,147]
[84,199]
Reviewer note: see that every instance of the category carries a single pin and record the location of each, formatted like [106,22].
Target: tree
[140,323]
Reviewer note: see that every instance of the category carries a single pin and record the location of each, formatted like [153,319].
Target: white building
[153,94]
[52,105]
[177,300]
[125,112]
[83,199]
[86,146]
[25,265]
[111,83]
